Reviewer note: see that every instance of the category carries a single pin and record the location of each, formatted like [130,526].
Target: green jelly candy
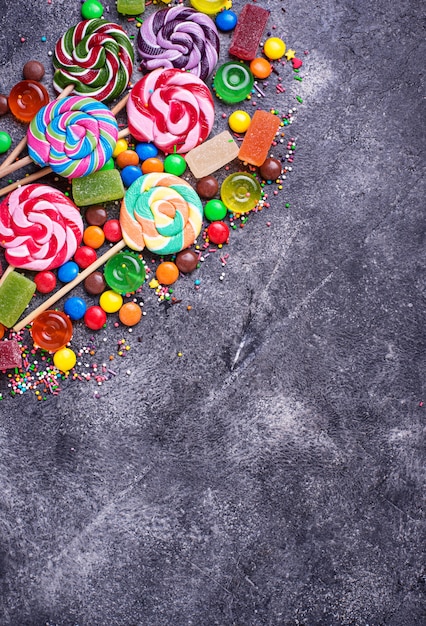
[130,7]
[15,294]
[101,186]
[233,82]
[125,272]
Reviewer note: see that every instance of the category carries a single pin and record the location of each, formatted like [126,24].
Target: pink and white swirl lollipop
[179,37]
[172,109]
[40,228]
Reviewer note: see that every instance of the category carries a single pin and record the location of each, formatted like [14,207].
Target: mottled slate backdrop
[273,474]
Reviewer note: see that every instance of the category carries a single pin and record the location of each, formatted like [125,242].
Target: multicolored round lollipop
[96,57]
[172,109]
[179,37]
[75,136]
[40,228]
[161,212]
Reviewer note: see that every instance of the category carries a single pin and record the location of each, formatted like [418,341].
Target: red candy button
[85,256]
[218,232]
[95,317]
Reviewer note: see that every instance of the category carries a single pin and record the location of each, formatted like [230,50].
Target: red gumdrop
[296,63]
[85,256]
[218,232]
[112,231]
[95,317]
[45,281]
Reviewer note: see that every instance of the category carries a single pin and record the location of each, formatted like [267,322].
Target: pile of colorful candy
[170,115]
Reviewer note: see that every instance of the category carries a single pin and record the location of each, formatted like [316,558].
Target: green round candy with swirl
[96,57]
[233,82]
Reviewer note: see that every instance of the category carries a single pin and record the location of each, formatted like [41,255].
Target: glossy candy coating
[75,308]
[45,281]
[95,317]
[215,210]
[26,99]
[127,157]
[161,212]
[95,283]
[146,150]
[240,192]
[94,237]
[211,7]
[239,121]
[91,9]
[260,67]
[274,48]
[85,256]
[4,105]
[125,272]
[179,37]
[96,215]
[129,174]
[226,20]
[40,227]
[233,82]
[218,232]
[75,136]
[152,165]
[167,273]
[51,330]
[68,271]
[112,231]
[207,187]
[110,301]
[174,164]
[186,261]
[96,57]
[33,70]
[271,169]
[64,359]
[130,314]
[172,109]
[5,141]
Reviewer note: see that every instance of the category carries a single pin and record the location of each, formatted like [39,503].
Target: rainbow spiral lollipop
[75,136]
[161,212]
[96,57]
[179,37]
[40,228]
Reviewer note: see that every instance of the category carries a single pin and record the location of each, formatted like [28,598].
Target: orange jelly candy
[127,157]
[51,330]
[259,137]
[130,314]
[26,99]
[167,273]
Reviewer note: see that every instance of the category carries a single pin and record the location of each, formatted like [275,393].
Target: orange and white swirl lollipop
[40,228]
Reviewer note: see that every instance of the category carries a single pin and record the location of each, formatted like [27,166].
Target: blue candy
[226,20]
[68,271]
[146,151]
[75,308]
[129,174]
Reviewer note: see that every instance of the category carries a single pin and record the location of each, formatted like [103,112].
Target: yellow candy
[274,48]
[120,146]
[110,301]
[239,121]
[64,359]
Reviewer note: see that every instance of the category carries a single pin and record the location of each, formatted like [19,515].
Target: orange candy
[2,331]
[130,314]
[260,67]
[127,157]
[94,236]
[167,273]
[152,165]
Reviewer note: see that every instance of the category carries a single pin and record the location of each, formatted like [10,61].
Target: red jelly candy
[26,99]
[10,355]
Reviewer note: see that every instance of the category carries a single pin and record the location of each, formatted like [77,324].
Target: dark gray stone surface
[273,474]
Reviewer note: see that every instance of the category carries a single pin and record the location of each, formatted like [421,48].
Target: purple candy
[179,37]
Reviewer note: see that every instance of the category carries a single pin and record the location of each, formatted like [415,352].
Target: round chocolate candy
[4,106]
[96,215]
[33,70]
[270,169]
[186,261]
[95,283]
[207,187]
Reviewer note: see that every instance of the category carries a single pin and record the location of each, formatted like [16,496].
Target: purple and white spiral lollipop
[179,37]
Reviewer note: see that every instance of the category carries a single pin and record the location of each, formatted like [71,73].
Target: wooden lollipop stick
[69,286]
[9,165]
[21,145]
[46,170]
[6,273]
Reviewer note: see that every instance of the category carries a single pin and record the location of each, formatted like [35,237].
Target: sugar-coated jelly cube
[248,32]
[259,137]
[212,155]
[101,186]
[16,292]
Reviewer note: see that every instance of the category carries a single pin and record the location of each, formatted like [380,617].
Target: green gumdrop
[99,187]
[15,294]
[130,7]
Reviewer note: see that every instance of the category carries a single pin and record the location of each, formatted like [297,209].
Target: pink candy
[172,109]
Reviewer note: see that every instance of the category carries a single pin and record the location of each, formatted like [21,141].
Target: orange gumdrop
[2,331]
[260,67]
[152,165]
[127,157]
[130,314]
[94,236]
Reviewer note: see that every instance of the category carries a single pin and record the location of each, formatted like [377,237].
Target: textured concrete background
[273,474]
